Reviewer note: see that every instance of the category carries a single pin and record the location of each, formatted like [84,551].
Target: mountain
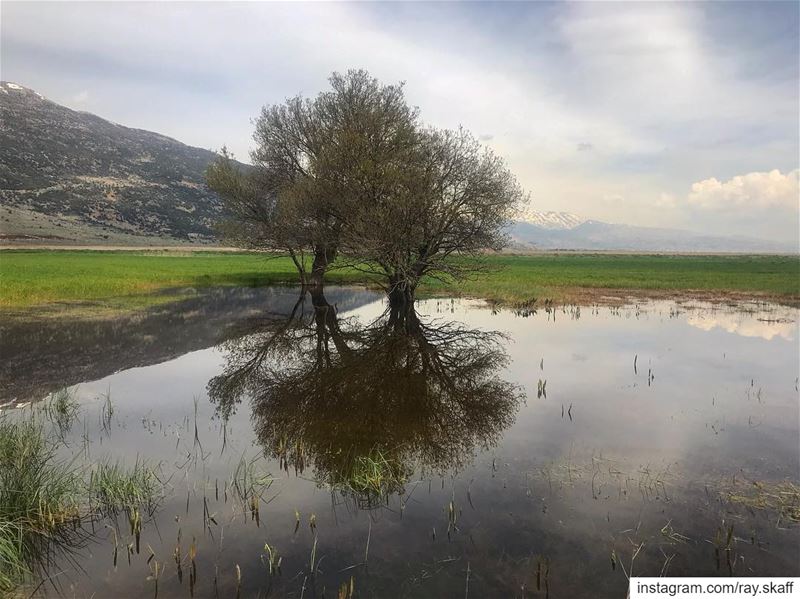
[74,175]
[596,235]
[550,220]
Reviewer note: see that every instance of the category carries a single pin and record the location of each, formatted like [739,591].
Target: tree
[309,155]
[455,200]
[353,173]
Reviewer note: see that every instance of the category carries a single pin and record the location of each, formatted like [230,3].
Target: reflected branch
[367,405]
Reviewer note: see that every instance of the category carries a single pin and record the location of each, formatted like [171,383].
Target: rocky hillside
[71,171]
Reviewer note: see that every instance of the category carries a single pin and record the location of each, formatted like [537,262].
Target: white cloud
[666,200]
[745,326]
[758,190]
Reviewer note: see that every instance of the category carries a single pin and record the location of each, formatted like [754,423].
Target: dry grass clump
[781,498]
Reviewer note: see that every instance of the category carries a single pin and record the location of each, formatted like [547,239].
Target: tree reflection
[366,405]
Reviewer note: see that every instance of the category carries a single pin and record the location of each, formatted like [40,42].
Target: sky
[658,114]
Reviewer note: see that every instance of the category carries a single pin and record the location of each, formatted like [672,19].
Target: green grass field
[570,277]
[35,277]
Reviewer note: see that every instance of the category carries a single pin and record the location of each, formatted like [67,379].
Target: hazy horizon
[657,114]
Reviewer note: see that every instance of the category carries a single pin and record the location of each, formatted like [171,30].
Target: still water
[318,447]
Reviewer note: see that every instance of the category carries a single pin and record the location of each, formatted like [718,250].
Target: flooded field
[325,447]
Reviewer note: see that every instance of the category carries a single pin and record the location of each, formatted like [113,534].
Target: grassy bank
[48,502]
[582,277]
[30,278]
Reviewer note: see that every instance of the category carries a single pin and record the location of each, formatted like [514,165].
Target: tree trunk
[401,302]
[323,256]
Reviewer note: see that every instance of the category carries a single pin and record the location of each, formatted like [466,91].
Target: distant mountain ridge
[600,236]
[71,176]
[78,169]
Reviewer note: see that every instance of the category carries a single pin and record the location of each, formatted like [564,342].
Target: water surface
[528,455]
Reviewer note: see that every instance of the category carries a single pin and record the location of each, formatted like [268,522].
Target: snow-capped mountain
[596,235]
[566,231]
[550,220]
